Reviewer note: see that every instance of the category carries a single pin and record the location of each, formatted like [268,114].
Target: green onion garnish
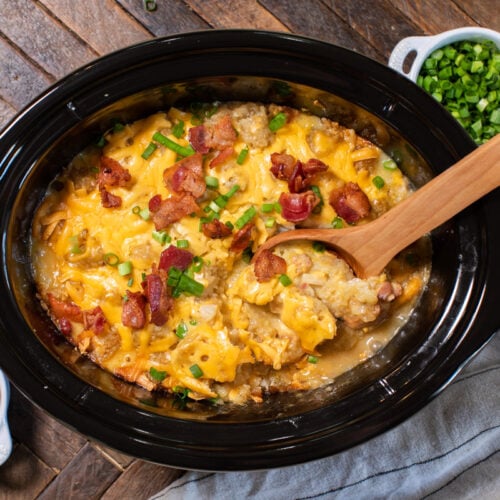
[144,214]
[211,182]
[157,375]
[136,210]
[125,268]
[181,330]
[319,206]
[182,283]
[312,359]
[270,221]
[130,282]
[232,191]
[193,322]
[118,127]
[197,264]
[318,246]
[242,156]
[111,259]
[378,182]
[182,243]
[74,241]
[196,371]
[178,129]
[247,216]
[150,149]
[389,165]
[168,143]
[267,207]
[277,122]
[277,208]
[161,237]
[285,280]
[337,223]
[229,224]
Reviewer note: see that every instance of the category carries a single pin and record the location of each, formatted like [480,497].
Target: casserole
[454,318]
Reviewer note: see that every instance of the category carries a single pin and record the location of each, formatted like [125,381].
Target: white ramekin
[5,438]
[423,46]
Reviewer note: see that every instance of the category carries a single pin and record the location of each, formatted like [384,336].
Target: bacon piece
[173,209]
[298,175]
[314,166]
[186,176]
[160,302]
[111,173]
[175,257]
[296,207]
[350,202]
[219,136]
[267,265]
[154,203]
[242,238]
[65,326]
[283,165]
[94,319]
[68,310]
[198,137]
[109,200]
[134,310]
[389,291]
[222,157]
[215,229]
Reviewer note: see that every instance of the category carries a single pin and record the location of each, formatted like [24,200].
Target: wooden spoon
[369,248]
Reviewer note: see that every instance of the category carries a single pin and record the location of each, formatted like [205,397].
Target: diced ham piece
[134,310]
[219,136]
[111,173]
[109,200]
[175,257]
[296,207]
[242,238]
[62,309]
[160,302]
[186,176]
[215,229]
[268,265]
[350,202]
[95,320]
[172,209]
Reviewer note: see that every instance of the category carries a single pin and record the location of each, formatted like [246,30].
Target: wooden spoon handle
[437,201]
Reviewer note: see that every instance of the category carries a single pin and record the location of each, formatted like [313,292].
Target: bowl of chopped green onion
[460,68]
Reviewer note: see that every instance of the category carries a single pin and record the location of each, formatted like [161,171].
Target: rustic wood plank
[24,475]
[382,26]
[119,459]
[316,20]
[431,20]
[50,440]
[21,81]
[86,477]
[103,24]
[7,112]
[51,46]
[160,22]
[141,480]
[484,12]
[236,14]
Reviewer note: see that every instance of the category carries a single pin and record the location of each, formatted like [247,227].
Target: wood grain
[103,24]
[484,12]
[315,19]
[170,16]
[236,14]
[53,47]
[7,112]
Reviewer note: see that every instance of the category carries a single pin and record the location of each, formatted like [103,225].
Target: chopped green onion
[144,214]
[130,282]
[196,371]
[267,207]
[157,375]
[318,246]
[150,149]
[182,243]
[242,156]
[211,182]
[111,259]
[125,268]
[319,206]
[168,143]
[312,359]
[232,191]
[247,216]
[277,208]
[182,283]
[101,142]
[193,322]
[285,280]
[197,264]
[118,127]
[74,241]
[178,129]
[161,237]
[270,221]
[136,210]
[337,223]
[378,182]
[277,122]
[181,330]
[247,255]
[389,165]
[229,224]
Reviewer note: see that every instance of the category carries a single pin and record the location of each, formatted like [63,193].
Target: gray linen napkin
[449,450]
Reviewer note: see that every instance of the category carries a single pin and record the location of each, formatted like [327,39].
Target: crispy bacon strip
[186,176]
[67,310]
[198,137]
[175,257]
[219,136]
[282,165]
[95,320]
[111,173]
[215,229]
[296,207]
[350,202]
[267,265]
[134,310]
[110,200]
[172,209]
[160,302]
[242,238]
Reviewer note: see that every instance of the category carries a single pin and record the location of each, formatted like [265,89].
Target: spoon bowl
[368,248]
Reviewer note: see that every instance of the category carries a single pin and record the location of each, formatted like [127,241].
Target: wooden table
[41,41]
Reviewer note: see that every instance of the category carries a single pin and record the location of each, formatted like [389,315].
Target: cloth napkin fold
[448,450]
